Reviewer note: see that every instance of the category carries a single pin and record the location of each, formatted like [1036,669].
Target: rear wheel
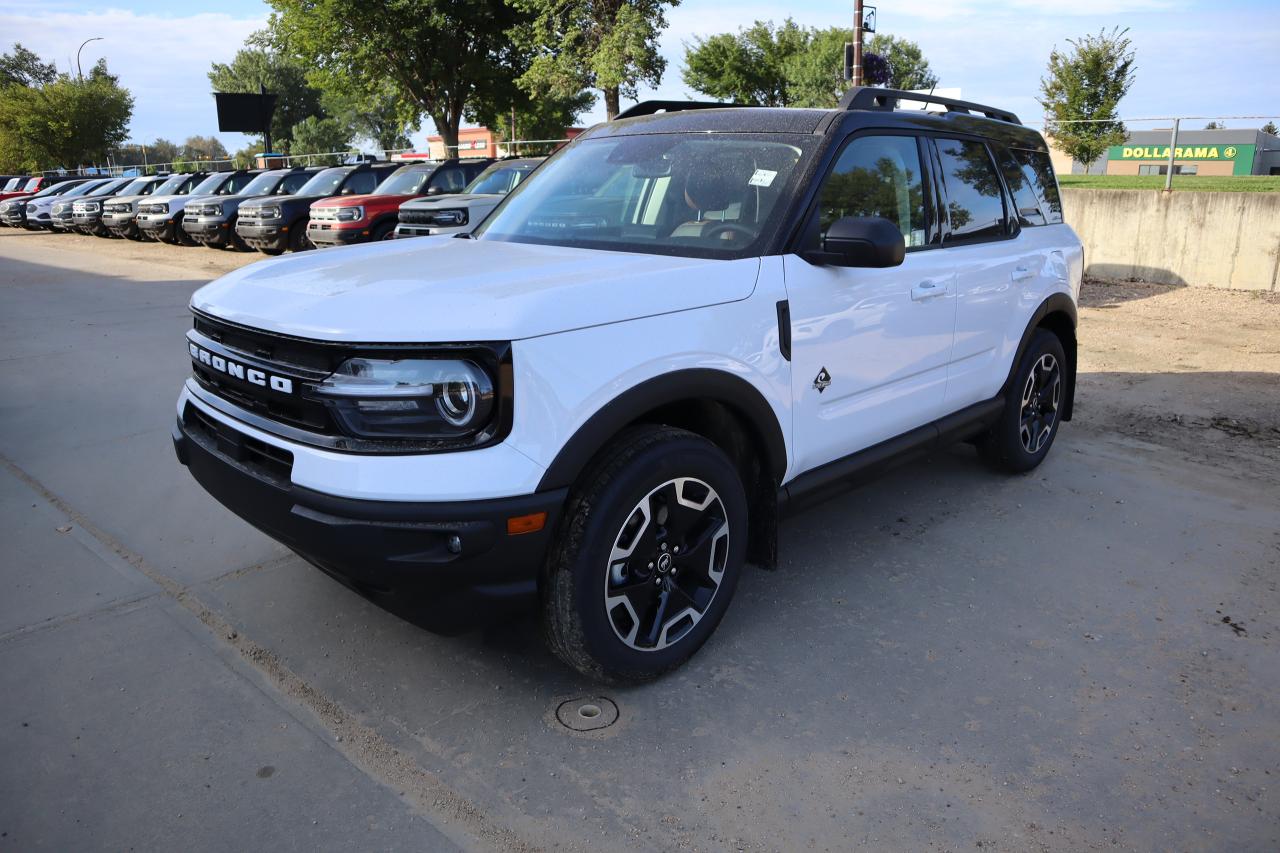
[647,556]
[1021,438]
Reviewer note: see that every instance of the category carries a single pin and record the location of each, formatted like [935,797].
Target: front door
[871,347]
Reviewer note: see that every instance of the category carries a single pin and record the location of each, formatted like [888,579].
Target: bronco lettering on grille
[252,375]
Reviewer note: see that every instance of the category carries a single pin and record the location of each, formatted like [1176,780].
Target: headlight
[269,213]
[450,217]
[416,398]
[31,207]
[350,214]
[61,208]
[90,207]
[160,208]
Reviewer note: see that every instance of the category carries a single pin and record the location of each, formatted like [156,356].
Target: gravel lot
[1081,658]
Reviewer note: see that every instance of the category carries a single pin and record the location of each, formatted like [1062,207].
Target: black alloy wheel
[1026,428]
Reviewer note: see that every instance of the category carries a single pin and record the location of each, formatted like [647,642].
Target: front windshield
[264,184]
[170,187]
[32,185]
[55,189]
[82,189]
[405,182]
[137,186]
[12,184]
[500,178]
[324,183]
[109,188]
[210,185]
[698,195]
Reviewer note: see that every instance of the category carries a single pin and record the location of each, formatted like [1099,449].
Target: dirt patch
[1196,369]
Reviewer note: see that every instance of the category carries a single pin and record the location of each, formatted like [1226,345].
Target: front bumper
[88,223]
[63,221]
[328,235]
[210,232]
[445,565]
[163,227]
[264,236]
[120,225]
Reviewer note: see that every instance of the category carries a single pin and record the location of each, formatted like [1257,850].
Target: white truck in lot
[688,322]
[461,213]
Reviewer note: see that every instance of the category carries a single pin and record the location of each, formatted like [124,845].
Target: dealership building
[1198,152]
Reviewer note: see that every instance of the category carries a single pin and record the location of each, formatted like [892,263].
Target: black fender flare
[731,390]
[1055,303]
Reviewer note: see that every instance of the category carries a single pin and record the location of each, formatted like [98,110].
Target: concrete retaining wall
[1202,239]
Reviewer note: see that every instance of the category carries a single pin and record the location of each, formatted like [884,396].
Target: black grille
[299,360]
[417,217]
[266,460]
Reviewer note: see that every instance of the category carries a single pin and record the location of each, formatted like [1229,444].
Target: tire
[298,241]
[1021,438]
[385,231]
[271,251]
[642,496]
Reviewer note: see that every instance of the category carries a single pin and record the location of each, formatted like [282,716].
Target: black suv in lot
[212,221]
[274,224]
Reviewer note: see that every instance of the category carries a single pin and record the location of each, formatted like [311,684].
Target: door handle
[928,290]
[1022,273]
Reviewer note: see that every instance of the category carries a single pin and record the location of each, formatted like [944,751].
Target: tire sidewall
[657,464]
[1042,343]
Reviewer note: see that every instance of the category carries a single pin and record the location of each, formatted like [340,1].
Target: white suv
[686,322]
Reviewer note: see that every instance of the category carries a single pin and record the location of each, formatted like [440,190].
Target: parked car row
[270,210]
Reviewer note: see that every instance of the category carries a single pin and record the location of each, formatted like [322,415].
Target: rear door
[870,347]
[991,263]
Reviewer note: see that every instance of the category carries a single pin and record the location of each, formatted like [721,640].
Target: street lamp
[80,73]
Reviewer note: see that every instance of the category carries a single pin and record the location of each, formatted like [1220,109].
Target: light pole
[80,73]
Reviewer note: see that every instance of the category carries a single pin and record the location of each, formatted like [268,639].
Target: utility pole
[1173,148]
[856,71]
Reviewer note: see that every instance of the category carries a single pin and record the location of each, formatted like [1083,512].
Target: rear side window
[1021,182]
[1037,164]
[293,182]
[877,176]
[975,199]
[360,183]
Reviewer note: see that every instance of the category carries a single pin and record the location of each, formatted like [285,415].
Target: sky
[1193,58]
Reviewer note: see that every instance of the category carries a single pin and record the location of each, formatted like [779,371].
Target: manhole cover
[587,713]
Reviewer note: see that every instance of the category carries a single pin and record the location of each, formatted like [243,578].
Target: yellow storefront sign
[1188,152]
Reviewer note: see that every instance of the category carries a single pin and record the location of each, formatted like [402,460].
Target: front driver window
[877,176]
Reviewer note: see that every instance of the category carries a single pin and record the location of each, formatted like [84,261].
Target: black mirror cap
[863,241]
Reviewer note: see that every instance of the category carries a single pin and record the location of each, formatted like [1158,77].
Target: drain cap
[587,713]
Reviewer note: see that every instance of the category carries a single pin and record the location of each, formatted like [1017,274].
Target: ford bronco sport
[348,219]
[211,222]
[461,213]
[684,324]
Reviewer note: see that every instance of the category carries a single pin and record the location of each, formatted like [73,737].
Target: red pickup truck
[346,219]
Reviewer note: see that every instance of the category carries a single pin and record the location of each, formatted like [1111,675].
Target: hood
[163,199]
[285,201]
[441,289]
[446,201]
[127,199]
[369,200]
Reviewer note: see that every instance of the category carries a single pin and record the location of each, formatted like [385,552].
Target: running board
[857,468]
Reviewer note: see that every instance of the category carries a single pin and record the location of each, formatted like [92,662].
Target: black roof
[860,107]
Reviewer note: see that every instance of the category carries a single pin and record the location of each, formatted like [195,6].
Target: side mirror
[435,190]
[861,241]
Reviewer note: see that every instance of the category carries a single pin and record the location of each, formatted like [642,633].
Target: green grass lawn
[1181,183]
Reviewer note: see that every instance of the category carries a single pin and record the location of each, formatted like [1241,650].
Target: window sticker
[762,178]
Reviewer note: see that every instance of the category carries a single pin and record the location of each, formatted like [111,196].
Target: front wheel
[647,556]
[1021,438]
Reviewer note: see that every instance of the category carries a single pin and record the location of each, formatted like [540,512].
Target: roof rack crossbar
[872,98]
[648,108]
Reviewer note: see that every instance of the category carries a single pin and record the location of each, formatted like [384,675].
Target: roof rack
[648,108]
[870,98]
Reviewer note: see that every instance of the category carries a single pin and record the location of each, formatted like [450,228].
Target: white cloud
[163,60]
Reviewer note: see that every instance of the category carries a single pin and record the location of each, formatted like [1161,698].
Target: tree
[377,113]
[908,69]
[1082,90]
[747,68]
[203,148]
[815,76]
[789,65]
[1215,125]
[444,58]
[65,123]
[610,45]
[539,118]
[162,151]
[23,67]
[282,75]
[1269,127]
[247,157]
[320,136]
